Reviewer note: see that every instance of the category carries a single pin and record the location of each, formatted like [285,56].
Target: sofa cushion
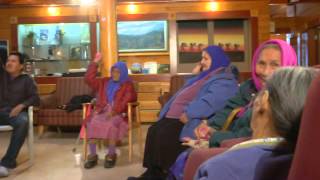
[57,117]
[67,87]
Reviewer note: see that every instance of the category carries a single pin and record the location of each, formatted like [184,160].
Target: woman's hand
[184,118]
[196,143]
[97,58]
[111,114]
[197,68]
[203,131]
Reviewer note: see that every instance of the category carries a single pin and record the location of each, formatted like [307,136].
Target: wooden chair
[30,139]
[230,119]
[133,109]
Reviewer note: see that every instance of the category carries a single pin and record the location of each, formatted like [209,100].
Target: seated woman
[109,121]
[275,123]
[199,98]
[268,57]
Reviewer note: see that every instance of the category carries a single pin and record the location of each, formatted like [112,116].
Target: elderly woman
[109,121]
[199,98]
[275,123]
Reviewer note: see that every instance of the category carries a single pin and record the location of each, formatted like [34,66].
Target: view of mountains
[145,35]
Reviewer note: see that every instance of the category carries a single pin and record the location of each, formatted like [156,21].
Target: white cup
[78,159]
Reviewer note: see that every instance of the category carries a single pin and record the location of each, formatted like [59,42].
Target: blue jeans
[18,136]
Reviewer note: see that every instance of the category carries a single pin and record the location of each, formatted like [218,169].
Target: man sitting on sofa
[18,92]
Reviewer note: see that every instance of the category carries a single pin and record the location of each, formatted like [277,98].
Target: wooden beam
[278,1]
[303,1]
[214,15]
[108,35]
[142,17]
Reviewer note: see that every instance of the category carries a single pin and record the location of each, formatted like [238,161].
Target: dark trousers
[162,144]
[18,136]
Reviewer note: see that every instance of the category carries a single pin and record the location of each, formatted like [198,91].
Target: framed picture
[4,50]
[195,35]
[141,36]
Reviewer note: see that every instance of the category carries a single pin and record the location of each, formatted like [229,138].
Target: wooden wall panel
[257,9]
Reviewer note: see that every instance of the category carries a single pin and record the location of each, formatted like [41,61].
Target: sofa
[48,113]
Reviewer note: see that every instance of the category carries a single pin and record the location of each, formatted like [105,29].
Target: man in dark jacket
[18,92]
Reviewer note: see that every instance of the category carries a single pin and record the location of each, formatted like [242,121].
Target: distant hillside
[151,40]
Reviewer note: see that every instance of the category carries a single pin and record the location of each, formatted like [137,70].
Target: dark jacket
[240,126]
[20,90]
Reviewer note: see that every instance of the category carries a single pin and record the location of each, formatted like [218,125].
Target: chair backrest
[177,81]
[306,159]
[67,87]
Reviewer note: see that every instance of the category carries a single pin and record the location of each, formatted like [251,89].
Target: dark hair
[288,88]
[21,56]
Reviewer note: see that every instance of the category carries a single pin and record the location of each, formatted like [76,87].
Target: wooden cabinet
[148,95]
[45,89]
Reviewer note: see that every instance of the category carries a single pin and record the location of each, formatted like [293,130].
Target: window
[57,47]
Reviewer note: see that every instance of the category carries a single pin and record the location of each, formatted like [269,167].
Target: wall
[258,9]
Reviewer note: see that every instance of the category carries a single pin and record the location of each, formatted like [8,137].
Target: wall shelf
[144,54]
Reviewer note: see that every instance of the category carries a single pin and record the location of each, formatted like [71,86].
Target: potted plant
[30,39]
[59,36]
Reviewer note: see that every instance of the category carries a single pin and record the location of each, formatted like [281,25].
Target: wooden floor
[54,160]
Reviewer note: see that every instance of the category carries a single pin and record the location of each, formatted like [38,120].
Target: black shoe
[145,178]
[149,174]
[110,161]
[91,162]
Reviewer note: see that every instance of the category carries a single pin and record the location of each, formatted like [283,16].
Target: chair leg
[85,147]
[30,138]
[59,131]
[31,147]
[130,146]
[41,130]
[140,140]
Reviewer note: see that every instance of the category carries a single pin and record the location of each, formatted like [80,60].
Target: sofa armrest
[48,101]
[231,142]
[197,157]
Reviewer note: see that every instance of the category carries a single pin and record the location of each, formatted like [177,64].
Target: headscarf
[218,58]
[288,58]
[112,85]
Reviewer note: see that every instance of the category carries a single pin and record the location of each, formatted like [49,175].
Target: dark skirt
[163,144]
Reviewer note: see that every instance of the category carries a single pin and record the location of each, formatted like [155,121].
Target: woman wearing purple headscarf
[199,98]
[109,120]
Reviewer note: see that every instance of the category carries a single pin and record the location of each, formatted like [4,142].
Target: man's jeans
[19,134]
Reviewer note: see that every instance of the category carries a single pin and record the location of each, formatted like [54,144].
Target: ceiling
[293,10]
[278,8]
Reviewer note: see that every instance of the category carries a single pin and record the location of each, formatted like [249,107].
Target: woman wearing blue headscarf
[109,120]
[199,98]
